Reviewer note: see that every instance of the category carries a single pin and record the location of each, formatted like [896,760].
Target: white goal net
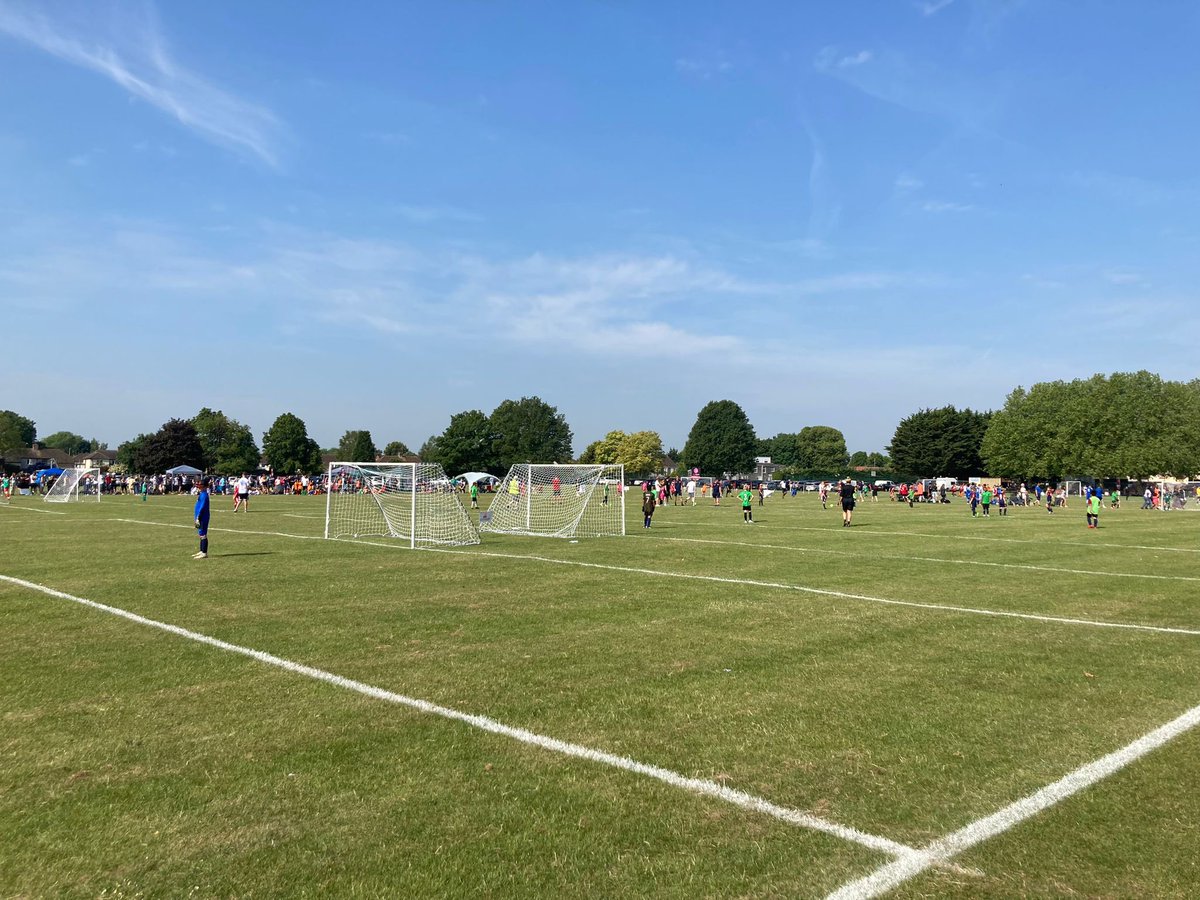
[414,502]
[1180,495]
[79,483]
[552,500]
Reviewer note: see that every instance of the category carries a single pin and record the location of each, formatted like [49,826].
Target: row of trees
[722,440]
[1124,425]
[1117,426]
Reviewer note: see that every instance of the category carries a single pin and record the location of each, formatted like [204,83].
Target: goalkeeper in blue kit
[200,514]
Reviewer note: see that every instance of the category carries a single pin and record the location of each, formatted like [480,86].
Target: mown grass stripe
[935,559]
[699,786]
[943,850]
[746,582]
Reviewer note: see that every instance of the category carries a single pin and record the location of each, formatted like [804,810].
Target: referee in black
[846,491]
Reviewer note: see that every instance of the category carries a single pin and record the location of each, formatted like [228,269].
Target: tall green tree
[288,448]
[357,446]
[821,449]
[175,444]
[640,452]
[1129,424]
[16,431]
[396,448]
[68,442]
[229,445]
[129,453]
[860,458]
[944,441]
[721,440]
[467,445]
[529,430]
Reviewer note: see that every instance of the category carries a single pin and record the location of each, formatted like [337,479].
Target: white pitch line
[934,559]
[699,786]
[944,849]
[999,540]
[49,512]
[1059,620]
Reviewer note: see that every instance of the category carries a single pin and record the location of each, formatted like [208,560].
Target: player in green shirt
[474,495]
[986,500]
[1093,510]
[746,496]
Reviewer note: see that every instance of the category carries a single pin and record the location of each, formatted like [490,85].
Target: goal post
[558,500]
[1179,495]
[413,502]
[77,483]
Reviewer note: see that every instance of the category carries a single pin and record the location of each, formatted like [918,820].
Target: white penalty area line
[934,559]
[50,512]
[699,786]
[1000,540]
[893,874]
[1005,614]
[1061,620]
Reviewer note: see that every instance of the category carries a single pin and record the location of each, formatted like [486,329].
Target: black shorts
[847,506]
[243,496]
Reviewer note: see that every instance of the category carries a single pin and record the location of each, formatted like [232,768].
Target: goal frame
[71,492]
[613,473]
[1184,496]
[411,470]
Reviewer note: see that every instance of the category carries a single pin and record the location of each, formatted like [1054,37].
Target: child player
[746,496]
[1093,510]
[201,514]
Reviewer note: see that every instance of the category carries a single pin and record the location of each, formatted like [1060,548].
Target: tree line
[1117,426]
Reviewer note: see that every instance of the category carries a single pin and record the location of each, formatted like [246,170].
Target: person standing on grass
[985,499]
[716,492]
[1093,511]
[1114,499]
[648,505]
[200,516]
[746,497]
[474,495]
[846,491]
[1049,501]
[241,496]
[691,491]
[762,493]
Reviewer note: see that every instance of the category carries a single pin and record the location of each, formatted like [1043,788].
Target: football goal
[413,502]
[1180,495]
[552,500]
[79,483]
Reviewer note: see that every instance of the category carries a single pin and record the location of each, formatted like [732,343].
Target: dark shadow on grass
[256,553]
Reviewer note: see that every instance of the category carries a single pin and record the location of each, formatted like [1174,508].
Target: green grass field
[137,762]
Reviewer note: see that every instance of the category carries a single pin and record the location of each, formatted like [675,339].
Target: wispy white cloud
[126,46]
[425,215]
[1123,277]
[704,68]
[916,85]
[943,206]
[833,58]
[933,7]
[907,184]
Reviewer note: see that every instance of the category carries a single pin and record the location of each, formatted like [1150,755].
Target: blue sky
[377,215]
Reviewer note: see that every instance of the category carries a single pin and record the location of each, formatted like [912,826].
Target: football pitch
[921,705]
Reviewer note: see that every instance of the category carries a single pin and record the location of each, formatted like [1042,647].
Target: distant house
[37,457]
[764,469]
[99,459]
